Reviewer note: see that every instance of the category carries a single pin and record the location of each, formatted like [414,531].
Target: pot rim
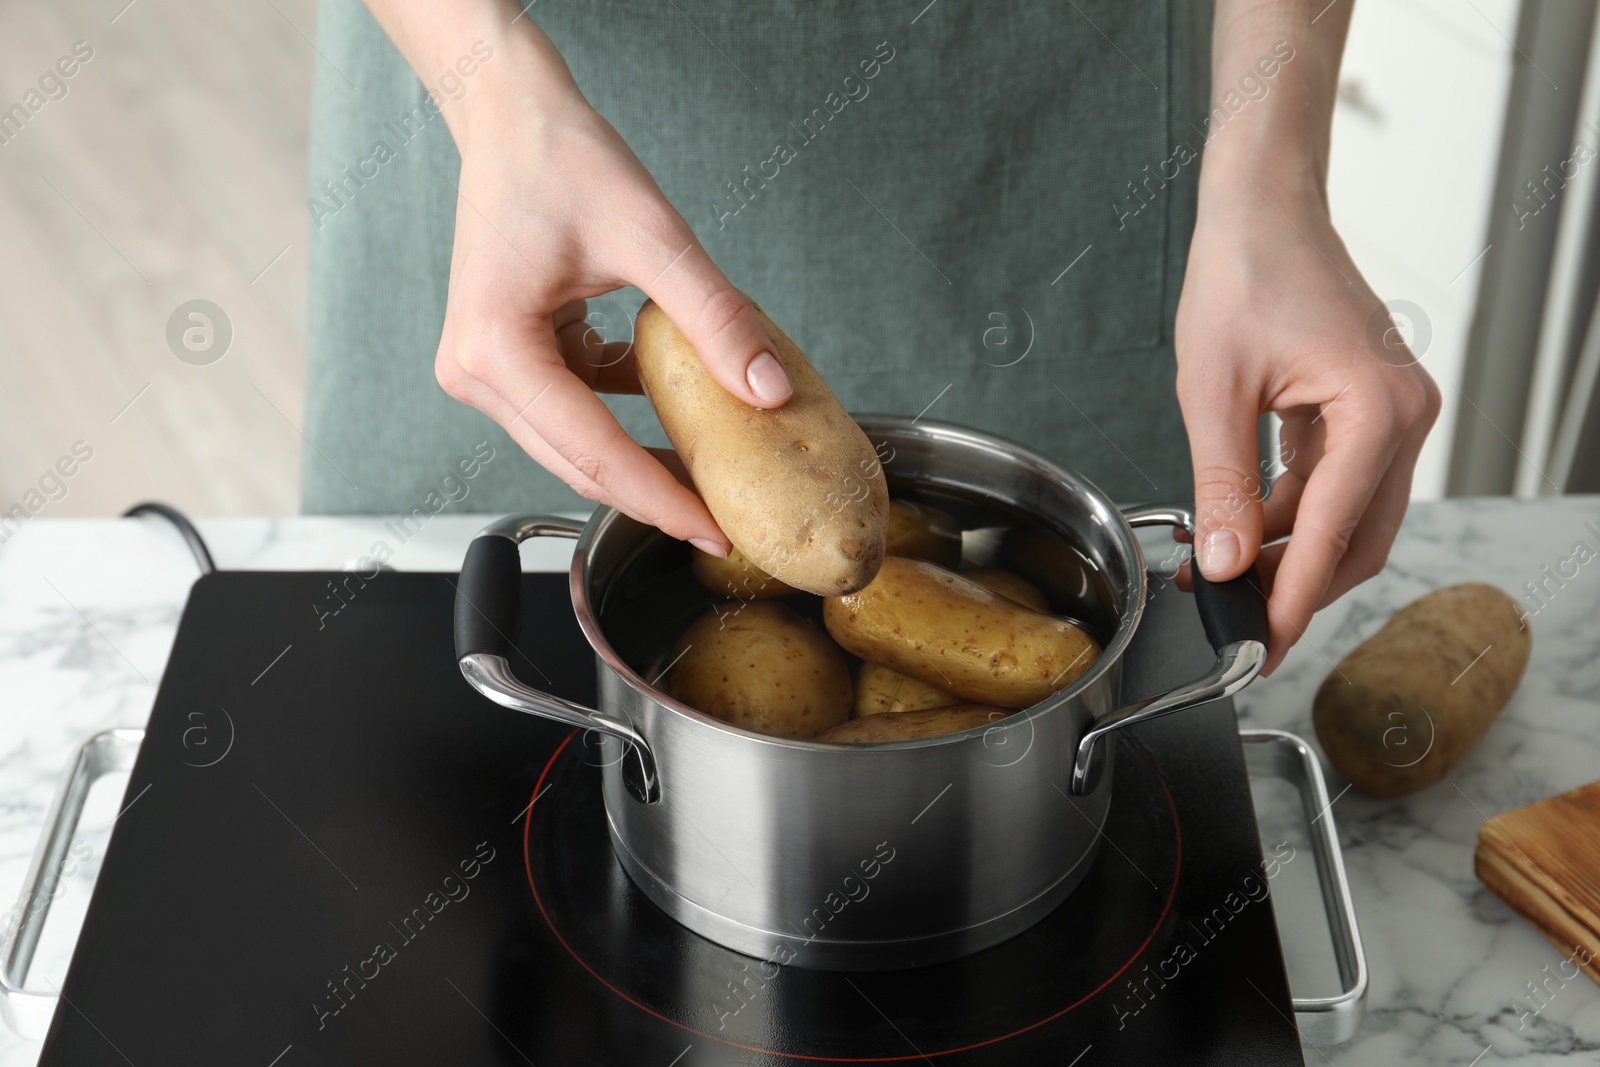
[1118,528]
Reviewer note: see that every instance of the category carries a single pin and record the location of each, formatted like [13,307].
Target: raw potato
[914,725]
[761,666]
[923,532]
[798,489]
[1011,586]
[936,626]
[1403,709]
[880,689]
[736,576]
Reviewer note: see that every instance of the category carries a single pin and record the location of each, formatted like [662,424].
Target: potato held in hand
[936,626]
[915,725]
[1403,709]
[880,690]
[798,489]
[761,666]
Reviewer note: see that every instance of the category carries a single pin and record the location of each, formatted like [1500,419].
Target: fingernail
[1218,552]
[709,547]
[766,378]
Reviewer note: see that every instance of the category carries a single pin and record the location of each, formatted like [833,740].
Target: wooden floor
[172,169]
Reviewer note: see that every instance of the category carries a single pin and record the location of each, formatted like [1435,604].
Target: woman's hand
[553,209]
[1275,317]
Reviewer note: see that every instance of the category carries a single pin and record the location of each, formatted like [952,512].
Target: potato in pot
[736,576]
[938,627]
[880,689]
[923,532]
[1011,586]
[1051,562]
[760,665]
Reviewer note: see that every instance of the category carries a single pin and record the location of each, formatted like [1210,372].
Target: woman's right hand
[554,208]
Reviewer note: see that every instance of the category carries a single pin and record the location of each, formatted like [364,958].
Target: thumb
[721,325]
[1227,488]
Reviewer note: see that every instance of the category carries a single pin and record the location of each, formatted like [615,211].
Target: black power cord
[191,536]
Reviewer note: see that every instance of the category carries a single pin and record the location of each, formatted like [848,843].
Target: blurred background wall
[173,168]
[169,167]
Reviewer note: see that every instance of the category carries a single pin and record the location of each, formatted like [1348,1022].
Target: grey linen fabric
[904,193]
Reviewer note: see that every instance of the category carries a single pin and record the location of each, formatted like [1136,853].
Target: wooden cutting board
[1544,860]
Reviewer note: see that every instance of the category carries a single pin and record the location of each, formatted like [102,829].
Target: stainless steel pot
[844,857]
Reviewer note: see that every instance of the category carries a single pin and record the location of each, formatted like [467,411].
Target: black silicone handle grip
[489,597]
[1235,610]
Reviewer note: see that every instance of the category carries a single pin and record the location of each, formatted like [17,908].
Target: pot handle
[488,607]
[1234,614]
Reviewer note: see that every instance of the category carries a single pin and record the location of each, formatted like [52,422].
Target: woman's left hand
[1275,317]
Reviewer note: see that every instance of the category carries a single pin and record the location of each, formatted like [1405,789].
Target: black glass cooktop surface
[341,854]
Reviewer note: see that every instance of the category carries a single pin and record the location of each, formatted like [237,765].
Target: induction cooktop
[342,854]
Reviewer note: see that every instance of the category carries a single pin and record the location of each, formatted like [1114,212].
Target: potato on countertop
[1403,709]
[798,489]
[761,666]
[880,689]
[922,531]
[938,627]
[914,725]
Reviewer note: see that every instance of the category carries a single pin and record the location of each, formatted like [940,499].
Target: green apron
[976,213]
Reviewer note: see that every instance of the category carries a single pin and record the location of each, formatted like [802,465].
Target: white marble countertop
[88,610]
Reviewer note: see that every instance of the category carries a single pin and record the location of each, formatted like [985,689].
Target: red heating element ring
[1166,907]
